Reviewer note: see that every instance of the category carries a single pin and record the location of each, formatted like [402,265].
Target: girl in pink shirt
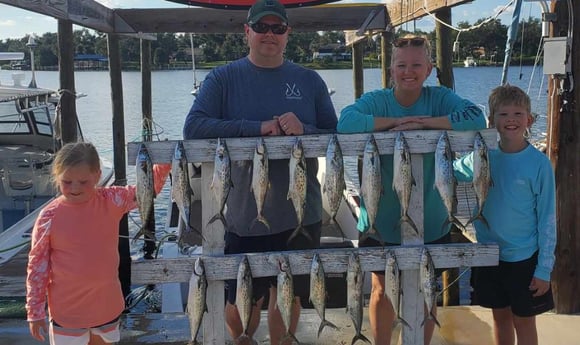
[73,258]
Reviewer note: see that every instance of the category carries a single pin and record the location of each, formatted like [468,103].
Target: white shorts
[80,336]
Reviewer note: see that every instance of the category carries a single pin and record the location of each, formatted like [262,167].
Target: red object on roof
[246,4]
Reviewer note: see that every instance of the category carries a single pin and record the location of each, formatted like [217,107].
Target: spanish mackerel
[285,296]
[334,184]
[260,179]
[297,187]
[354,286]
[197,295]
[403,180]
[318,292]
[145,193]
[221,182]
[371,185]
[481,177]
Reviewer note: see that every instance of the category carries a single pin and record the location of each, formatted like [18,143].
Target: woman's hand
[290,124]
[38,329]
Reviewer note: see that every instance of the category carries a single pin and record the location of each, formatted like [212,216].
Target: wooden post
[66,68]
[386,51]
[213,244]
[119,161]
[444,51]
[358,68]
[146,90]
[565,277]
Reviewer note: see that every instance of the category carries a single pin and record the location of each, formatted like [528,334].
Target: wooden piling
[146,90]
[386,51]
[66,68]
[564,146]
[358,68]
[119,161]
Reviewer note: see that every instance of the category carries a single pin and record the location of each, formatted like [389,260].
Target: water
[172,100]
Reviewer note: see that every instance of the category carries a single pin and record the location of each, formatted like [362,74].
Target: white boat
[28,142]
[469,62]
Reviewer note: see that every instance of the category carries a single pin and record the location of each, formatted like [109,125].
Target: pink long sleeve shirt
[74,258]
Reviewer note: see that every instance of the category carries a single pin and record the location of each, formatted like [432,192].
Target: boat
[469,62]
[29,140]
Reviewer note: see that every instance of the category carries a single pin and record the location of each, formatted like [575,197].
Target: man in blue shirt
[260,95]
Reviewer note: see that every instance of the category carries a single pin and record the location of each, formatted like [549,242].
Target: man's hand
[271,127]
[290,124]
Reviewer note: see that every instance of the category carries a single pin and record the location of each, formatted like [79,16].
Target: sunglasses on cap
[404,42]
[262,28]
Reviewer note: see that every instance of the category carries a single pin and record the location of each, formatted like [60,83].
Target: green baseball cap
[264,8]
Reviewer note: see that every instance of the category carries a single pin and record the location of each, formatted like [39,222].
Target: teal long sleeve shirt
[520,206]
[434,101]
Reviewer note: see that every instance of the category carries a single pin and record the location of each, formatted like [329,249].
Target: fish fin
[261,219]
[219,216]
[291,336]
[325,323]
[431,316]
[336,225]
[358,337]
[197,231]
[457,223]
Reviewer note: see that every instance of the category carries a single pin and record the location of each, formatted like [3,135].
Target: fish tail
[197,231]
[404,322]
[359,336]
[457,223]
[406,219]
[260,218]
[431,316]
[291,336]
[479,216]
[333,221]
[325,323]
[219,216]
[299,230]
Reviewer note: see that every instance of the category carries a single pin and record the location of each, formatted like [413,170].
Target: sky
[17,23]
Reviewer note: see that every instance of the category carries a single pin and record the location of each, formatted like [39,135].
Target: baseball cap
[264,8]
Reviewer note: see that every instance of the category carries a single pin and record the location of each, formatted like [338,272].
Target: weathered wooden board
[203,150]
[222,267]
[403,11]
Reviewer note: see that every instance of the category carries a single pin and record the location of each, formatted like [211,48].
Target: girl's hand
[38,329]
[539,286]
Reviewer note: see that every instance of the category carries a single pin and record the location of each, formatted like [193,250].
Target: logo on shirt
[293,92]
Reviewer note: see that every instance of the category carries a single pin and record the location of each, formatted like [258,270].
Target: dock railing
[220,267]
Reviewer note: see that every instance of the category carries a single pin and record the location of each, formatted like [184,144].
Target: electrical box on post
[557,55]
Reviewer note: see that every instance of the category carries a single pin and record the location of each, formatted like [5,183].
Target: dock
[460,325]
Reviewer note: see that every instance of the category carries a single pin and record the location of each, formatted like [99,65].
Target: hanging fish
[196,300]
[260,179]
[354,286]
[481,177]
[371,186]
[403,180]
[318,292]
[145,193]
[297,187]
[221,182]
[334,184]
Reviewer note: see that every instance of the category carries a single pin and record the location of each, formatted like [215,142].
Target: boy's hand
[38,329]
[539,286]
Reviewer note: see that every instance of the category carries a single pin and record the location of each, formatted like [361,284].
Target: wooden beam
[66,72]
[401,11]
[203,150]
[222,267]
[87,13]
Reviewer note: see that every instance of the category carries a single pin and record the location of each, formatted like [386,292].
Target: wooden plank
[401,11]
[412,299]
[213,244]
[222,267]
[66,68]
[203,150]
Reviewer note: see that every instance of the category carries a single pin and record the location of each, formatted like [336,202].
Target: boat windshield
[25,117]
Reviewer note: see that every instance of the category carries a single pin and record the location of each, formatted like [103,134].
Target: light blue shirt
[520,206]
[233,101]
[434,101]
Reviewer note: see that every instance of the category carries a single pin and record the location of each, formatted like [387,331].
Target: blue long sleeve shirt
[434,101]
[520,206]
[233,101]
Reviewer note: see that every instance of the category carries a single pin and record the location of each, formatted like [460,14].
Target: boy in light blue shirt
[521,213]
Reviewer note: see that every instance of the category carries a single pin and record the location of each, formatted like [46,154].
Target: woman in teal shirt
[409,105]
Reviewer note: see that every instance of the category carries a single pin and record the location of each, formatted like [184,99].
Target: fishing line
[454,281]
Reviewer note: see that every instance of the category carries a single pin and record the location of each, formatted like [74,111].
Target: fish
[260,180]
[403,180]
[285,296]
[318,292]
[371,187]
[445,181]
[221,182]
[393,285]
[334,184]
[297,187]
[481,177]
[181,191]
[145,194]
[428,286]
[244,300]
[354,286]
[197,295]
